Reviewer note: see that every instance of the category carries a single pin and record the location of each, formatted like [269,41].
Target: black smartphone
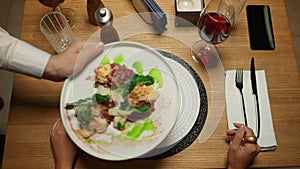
[260,27]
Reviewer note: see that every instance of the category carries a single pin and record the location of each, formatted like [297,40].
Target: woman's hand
[241,153]
[63,149]
[72,60]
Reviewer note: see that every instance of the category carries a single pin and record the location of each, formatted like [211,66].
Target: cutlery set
[239,85]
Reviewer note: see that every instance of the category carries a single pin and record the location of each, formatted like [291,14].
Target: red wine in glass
[51,3]
[214,27]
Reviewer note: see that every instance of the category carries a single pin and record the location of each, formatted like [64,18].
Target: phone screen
[260,27]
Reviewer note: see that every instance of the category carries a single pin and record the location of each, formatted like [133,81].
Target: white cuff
[29,60]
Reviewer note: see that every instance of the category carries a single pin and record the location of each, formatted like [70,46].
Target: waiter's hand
[72,60]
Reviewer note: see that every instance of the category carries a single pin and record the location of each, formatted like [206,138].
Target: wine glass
[215,24]
[70,14]
[52,3]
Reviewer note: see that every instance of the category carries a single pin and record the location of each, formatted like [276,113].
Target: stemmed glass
[215,24]
[52,3]
[70,14]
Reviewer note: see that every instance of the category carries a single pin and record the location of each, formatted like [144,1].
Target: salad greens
[84,114]
[102,99]
[83,109]
[129,85]
[135,92]
[140,80]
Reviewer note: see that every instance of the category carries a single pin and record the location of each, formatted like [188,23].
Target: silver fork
[239,85]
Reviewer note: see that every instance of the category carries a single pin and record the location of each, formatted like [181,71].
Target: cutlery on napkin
[267,140]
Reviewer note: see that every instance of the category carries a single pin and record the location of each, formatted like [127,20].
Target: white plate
[190,107]
[108,145]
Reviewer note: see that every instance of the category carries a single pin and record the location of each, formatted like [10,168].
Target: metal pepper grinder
[104,19]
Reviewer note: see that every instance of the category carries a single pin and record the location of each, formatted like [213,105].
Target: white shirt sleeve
[19,56]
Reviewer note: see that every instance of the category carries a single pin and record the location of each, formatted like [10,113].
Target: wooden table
[35,103]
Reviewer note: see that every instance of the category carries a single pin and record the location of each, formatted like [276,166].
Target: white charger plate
[190,107]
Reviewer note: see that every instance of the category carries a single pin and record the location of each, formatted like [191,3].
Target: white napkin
[267,140]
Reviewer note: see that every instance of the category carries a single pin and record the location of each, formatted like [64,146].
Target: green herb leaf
[102,99]
[140,80]
[120,126]
[143,108]
[69,106]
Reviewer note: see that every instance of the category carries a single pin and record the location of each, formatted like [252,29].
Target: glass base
[70,15]
[205,53]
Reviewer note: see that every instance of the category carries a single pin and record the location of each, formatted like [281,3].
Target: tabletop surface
[35,103]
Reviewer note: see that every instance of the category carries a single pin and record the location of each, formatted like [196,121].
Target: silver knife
[254,90]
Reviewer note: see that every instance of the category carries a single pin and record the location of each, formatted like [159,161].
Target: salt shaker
[92,6]
[104,19]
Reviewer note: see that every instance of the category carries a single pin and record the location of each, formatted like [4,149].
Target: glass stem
[58,9]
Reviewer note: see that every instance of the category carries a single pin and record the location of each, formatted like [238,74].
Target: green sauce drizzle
[118,59]
[105,60]
[138,129]
[138,67]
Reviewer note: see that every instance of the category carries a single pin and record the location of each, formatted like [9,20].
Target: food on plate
[122,95]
